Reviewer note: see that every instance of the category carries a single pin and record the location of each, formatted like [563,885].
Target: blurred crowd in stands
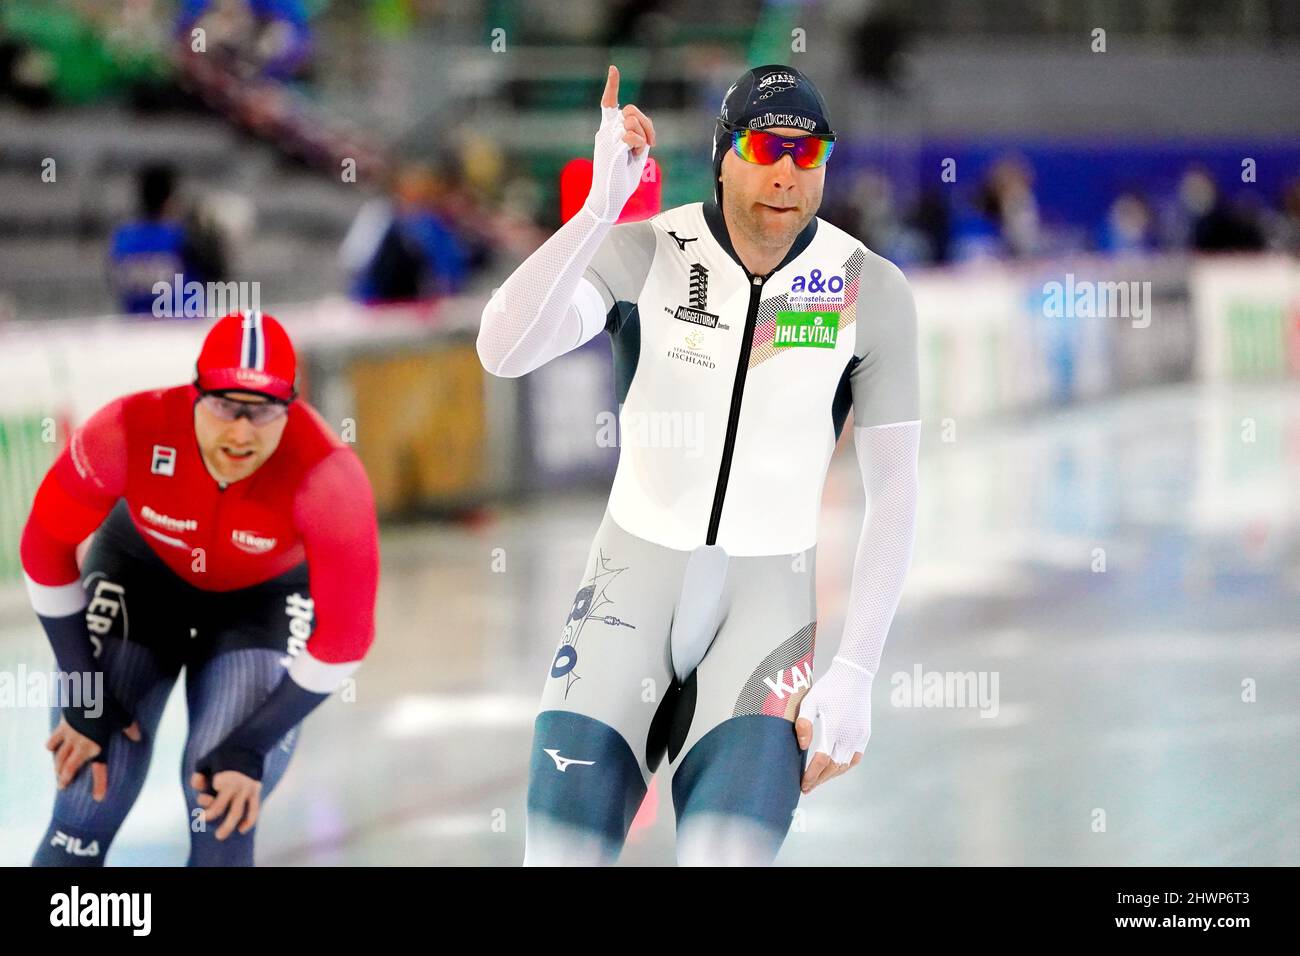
[437,223]
[1002,219]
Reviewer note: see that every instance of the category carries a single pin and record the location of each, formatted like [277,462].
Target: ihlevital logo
[808,329]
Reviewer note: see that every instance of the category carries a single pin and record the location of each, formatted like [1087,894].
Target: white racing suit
[692,632]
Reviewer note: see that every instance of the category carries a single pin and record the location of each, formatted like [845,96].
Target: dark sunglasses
[764,148]
[231,410]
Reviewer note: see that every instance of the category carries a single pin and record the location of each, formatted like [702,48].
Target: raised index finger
[610,97]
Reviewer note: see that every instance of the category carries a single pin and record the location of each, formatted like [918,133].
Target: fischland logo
[693,353]
[699,286]
[807,329]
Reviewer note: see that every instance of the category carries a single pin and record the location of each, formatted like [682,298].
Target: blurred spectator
[933,219]
[266,38]
[26,74]
[1002,219]
[975,234]
[869,210]
[167,241]
[1201,220]
[877,47]
[1128,227]
[402,249]
[1011,202]
[1284,227]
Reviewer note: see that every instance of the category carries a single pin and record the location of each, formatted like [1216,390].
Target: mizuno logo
[563,763]
[681,243]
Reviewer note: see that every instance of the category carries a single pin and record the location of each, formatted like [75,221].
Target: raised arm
[546,307]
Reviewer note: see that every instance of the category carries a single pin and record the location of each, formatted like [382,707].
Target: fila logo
[563,763]
[73,845]
[681,242]
[699,286]
[251,543]
[164,461]
[800,679]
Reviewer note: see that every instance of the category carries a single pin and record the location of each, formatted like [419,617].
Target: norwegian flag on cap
[248,352]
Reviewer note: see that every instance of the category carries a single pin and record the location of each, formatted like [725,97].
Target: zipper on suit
[733,416]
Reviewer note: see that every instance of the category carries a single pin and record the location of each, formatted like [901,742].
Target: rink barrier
[439,435]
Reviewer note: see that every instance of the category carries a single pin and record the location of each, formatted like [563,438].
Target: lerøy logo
[164,461]
[251,543]
[252,376]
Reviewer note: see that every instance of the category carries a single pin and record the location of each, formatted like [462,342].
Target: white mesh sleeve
[841,699]
[546,307]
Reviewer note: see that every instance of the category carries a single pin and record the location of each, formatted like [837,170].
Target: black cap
[764,97]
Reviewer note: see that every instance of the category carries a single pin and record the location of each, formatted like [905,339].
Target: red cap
[248,352]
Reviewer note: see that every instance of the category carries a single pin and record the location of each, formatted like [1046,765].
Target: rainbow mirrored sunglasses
[764,148]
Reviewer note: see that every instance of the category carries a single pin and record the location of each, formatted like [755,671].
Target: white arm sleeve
[888,456]
[841,698]
[546,307]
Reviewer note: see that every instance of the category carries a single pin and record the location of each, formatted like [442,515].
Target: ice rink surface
[1147,713]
